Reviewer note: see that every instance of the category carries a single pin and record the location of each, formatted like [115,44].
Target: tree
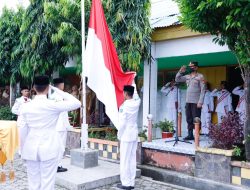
[128,22]
[10,22]
[229,21]
[130,28]
[40,55]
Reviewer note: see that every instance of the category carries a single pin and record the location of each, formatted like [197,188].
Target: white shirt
[63,120]
[171,93]
[224,101]
[37,121]
[241,107]
[208,104]
[18,103]
[127,119]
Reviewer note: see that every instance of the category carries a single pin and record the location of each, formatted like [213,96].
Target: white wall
[188,46]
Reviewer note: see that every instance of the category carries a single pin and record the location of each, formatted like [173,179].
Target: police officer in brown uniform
[195,94]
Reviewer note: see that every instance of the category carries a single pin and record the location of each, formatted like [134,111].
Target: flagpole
[84,126]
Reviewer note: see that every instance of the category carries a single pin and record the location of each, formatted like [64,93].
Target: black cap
[195,63]
[24,88]
[41,80]
[58,80]
[129,88]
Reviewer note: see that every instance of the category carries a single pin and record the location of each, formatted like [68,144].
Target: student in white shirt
[241,106]
[173,101]
[40,142]
[20,101]
[63,120]
[224,101]
[206,110]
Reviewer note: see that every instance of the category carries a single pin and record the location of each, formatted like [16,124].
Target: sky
[159,7]
[12,3]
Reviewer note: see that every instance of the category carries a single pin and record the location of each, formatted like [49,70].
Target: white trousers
[205,122]
[172,115]
[41,174]
[63,137]
[128,163]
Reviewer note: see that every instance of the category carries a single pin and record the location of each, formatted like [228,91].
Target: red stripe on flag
[99,24]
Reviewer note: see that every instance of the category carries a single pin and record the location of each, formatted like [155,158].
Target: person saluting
[195,94]
[40,142]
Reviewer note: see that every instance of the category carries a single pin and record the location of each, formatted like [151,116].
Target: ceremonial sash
[172,88]
[224,95]
[240,100]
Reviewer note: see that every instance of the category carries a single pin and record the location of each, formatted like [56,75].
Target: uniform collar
[41,97]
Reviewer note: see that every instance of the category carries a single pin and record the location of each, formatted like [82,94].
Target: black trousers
[191,112]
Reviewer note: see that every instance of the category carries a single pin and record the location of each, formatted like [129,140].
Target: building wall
[188,46]
[194,44]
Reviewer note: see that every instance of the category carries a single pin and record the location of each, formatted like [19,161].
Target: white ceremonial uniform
[171,93]
[241,107]
[207,108]
[62,124]
[18,103]
[224,103]
[40,143]
[128,135]
[16,109]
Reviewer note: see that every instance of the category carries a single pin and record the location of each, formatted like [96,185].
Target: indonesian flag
[102,66]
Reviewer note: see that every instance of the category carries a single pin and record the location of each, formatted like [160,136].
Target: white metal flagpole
[84,126]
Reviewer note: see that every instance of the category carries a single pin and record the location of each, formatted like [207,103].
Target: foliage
[73,115]
[236,151]
[128,23]
[108,134]
[66,18]
[10,23]
[40,55]
[5,113]
[143,134]
[228,20]
[111,134]
[228,133]
[130,28]
[165,126]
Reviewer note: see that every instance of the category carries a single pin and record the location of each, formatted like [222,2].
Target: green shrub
[5,113]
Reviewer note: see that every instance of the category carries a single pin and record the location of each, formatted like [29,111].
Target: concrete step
[77,178]
[184,180]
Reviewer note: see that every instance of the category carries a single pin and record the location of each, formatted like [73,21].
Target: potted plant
[167,128]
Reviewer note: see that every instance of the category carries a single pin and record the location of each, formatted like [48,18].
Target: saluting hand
[183,69]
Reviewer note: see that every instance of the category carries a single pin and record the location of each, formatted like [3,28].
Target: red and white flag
[102,66]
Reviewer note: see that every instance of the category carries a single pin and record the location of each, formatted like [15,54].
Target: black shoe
[61,169]
[188,138]
[131,187]
[120,186]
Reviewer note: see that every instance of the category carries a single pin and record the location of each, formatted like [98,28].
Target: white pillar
[150,87]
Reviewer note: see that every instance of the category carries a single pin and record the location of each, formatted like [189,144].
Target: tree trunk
[247,123]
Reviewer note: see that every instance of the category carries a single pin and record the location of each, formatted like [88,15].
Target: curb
[183,180]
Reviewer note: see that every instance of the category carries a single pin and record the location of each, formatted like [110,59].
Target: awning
[205,60]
